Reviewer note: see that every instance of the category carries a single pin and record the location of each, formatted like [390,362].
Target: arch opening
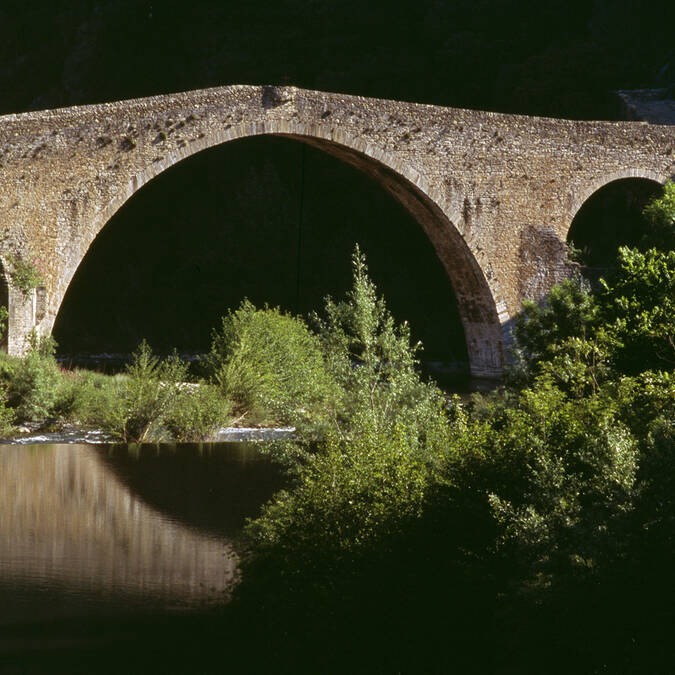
[609,218]
[269,219]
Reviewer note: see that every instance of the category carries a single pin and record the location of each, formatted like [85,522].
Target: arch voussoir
[477,303]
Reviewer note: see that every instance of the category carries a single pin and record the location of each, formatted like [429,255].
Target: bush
[6,414]
[566,322]
[374,364]
[87,398]
[639,311]
[197,411]
[33,381]
[144,396]
[270,364]
[660,217]
[25,274]
[557,473]
[582,339]
[360,488]
[352,497]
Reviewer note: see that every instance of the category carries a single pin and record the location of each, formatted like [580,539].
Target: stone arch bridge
[495,193]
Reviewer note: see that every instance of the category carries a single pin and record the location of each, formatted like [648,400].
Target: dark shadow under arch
[609,218]
[227,223]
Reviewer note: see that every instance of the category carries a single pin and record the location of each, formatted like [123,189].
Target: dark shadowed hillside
[550,58]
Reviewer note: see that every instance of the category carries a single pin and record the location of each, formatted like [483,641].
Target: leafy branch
[25,274]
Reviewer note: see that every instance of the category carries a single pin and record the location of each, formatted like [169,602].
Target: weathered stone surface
[495,193]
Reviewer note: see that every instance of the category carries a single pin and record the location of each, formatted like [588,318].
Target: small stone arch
[575,200]
[479,301]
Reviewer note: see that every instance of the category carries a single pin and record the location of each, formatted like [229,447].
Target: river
[108,536]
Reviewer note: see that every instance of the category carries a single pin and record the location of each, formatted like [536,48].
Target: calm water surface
[103,535]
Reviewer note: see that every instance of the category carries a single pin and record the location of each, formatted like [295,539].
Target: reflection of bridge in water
[67,521]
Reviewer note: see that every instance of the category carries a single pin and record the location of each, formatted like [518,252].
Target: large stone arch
[481,311]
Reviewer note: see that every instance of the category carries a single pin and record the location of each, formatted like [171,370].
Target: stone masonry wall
[495,193]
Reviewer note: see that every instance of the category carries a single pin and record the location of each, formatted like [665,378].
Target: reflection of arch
[577,200]
[83,527]
[210,488]
[476,296]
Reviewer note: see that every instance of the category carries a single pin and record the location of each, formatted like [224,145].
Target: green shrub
[7,415]
[581,339]
[558,474]
[567,320]
[87,398]
[144,395]
[270,364]
[660,216]
[374,364]
[196,412]
[25,274]
[33,381]
[351,496]
[638,313]
[364,483]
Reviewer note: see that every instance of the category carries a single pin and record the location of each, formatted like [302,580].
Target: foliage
[25,274]
[197,411]
[543,494]
[350,496]
[144,396]
[638,309]
[580,465]
[660,216]
[4,316]
[365,483]
[150,401]
[7,415]
[153,401]
[582,338]
[374,364]
[33,381]
[641,400]
[269,363]
[86,398]
[543,332]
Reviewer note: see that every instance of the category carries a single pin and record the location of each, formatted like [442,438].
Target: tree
[660,216]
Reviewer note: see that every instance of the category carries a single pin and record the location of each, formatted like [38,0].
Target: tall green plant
[271,365]
[367,479]
[375,365]
[145,395]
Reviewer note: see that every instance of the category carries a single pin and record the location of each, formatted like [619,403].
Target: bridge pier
[22,320]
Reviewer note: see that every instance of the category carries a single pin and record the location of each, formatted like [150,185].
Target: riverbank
[72,434]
